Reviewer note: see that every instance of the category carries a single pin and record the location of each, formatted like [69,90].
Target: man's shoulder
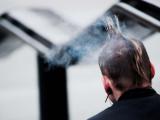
[121,109]
[102,115]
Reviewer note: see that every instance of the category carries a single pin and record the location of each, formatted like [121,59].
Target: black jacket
[136,104]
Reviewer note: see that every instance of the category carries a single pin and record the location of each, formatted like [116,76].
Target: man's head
[125,64]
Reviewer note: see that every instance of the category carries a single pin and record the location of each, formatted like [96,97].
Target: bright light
[153,2]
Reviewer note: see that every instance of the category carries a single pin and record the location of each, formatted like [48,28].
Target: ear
[152,70]
[106,83]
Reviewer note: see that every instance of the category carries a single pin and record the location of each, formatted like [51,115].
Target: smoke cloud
[86,46]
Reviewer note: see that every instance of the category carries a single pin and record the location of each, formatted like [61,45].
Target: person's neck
[117,93]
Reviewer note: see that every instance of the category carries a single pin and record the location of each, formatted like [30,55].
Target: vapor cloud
[87,45]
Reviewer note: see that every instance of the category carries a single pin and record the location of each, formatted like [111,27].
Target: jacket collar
[137,93]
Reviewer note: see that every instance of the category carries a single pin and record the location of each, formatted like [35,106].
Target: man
[127,79]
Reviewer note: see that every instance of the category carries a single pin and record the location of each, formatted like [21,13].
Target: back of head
[125,62]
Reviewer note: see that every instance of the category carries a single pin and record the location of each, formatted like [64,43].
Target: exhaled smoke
[87,44]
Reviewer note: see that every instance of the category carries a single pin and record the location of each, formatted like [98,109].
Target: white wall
[18,86]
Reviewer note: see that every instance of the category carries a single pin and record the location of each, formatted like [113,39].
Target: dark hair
[125,62]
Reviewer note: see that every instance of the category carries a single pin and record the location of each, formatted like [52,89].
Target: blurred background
[20,82]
